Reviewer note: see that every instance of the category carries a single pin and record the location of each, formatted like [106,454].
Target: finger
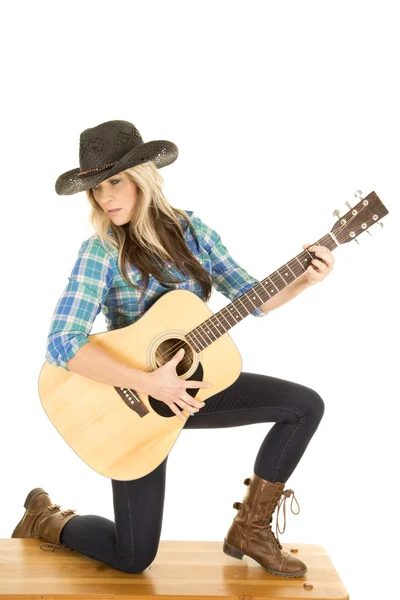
[192,401]
[314,275]
[178,356]
[186,406]
[188,400]
[177,412]
[189,383]
[323,253]
[327,260]
[307,246]
[320,266]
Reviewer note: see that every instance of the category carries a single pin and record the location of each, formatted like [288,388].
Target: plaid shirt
[96,284]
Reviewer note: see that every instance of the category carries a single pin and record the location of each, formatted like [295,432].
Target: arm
[68,345]
[94,362]
[288,293]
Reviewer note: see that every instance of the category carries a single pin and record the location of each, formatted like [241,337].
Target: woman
[142,248]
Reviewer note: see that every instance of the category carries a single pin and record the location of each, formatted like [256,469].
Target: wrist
[140,380]
[304,281]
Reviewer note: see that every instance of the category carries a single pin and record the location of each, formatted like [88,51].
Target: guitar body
[125,434]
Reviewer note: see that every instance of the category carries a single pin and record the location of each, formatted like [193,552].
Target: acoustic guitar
[123,434]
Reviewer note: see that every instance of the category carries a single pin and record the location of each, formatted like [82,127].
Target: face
[117,192]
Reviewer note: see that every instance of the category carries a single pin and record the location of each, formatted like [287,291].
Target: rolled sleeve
[80,303]
[228,276]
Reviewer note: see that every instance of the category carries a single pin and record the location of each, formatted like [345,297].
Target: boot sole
[237,553]
[28,500]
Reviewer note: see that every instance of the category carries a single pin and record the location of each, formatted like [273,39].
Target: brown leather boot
[42,519]
[251,534]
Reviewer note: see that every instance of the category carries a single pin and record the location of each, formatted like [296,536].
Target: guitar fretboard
[207,332]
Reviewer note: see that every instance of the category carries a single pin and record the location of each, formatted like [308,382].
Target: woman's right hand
[164,384]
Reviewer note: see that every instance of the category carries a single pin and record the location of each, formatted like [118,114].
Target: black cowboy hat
[108,149]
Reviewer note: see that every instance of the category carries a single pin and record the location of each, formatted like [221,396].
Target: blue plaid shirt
[96,284]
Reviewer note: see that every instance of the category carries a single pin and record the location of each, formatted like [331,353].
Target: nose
[105,198]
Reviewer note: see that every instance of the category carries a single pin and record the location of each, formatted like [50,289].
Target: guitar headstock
[359,218]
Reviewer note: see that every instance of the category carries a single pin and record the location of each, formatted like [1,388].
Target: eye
[111,181]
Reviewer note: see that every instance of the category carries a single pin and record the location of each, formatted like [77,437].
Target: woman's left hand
[318,269]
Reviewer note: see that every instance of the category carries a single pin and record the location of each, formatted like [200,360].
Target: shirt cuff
[258,312]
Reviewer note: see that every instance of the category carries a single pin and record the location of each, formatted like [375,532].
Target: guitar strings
[175,348]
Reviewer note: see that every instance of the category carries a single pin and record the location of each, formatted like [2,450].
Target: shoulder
[94,247]
[207,235]
[94,261]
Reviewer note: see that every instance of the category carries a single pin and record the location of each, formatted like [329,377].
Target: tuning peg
[358,194]
[380,225]
[356,240]
[369,233]
[336,213]
[348,204]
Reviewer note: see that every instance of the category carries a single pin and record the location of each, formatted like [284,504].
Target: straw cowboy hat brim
[108,149]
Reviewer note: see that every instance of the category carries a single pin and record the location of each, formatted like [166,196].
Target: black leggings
[131,543]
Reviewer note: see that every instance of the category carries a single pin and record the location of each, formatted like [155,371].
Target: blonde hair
[153,234]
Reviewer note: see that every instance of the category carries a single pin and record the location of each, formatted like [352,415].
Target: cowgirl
[140,237]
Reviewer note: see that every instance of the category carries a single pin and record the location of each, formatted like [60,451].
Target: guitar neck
[207,332]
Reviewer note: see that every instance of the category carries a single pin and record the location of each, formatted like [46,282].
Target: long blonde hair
[154,234]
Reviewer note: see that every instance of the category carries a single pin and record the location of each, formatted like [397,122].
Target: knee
[316,405]
[137,566]
[137,569]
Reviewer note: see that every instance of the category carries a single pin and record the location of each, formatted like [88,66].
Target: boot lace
[282,501]
[53,547]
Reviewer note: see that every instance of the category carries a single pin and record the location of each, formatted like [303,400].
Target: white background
[280,111]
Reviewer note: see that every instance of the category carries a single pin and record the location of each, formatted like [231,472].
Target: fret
[254,297]
[192,340]
[233,311]
[251,298]
[265,295]
[309,254]
[286,275]
[223,316]
[201,337]
[295,266]
[216,331]
[288,266]
[241,301]
[207,331]
[272,290]
[218,327]
[277,280]
[300,264]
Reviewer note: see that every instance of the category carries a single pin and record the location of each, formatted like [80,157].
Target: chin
[119,221]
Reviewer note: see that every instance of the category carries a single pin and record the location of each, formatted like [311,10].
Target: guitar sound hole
[167,350]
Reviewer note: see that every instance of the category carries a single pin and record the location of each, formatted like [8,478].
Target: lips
[113,210]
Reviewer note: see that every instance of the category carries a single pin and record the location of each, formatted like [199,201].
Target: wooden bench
[181,570]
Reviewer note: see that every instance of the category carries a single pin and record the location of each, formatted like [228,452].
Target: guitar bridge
[132,400]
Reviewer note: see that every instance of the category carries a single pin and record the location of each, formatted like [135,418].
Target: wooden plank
[182,569]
